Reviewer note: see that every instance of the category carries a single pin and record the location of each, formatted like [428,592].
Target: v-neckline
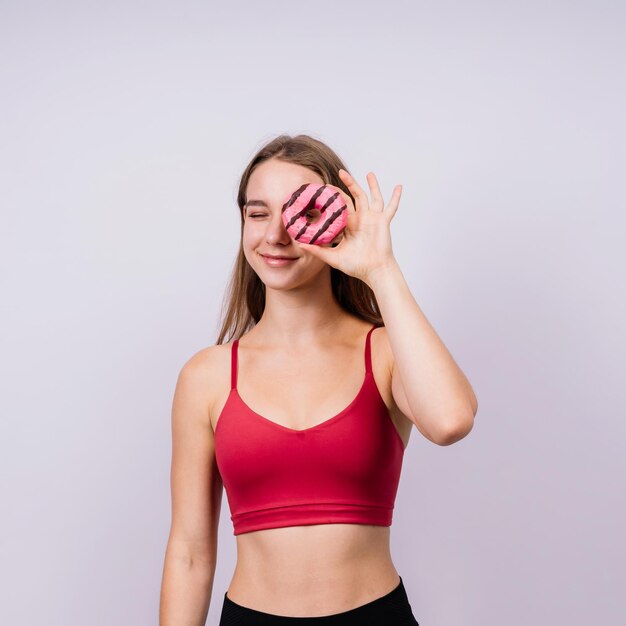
[310,428]
[367,354]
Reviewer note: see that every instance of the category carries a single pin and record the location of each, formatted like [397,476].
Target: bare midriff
[314,570]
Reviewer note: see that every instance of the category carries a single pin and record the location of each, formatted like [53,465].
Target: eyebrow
[255,203]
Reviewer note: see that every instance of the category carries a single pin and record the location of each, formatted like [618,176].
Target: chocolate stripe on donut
[332,218]
[307,207]
[313,200]
[294,196]
[329,202]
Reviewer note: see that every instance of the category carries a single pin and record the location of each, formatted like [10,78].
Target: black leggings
[392,609]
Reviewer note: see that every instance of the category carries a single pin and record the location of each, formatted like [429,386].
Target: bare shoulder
[382,356]
[207,374]
[382,366]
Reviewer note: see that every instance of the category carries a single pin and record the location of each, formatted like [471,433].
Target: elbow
[456,430]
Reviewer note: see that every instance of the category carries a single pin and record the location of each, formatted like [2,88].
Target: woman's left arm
[427,384]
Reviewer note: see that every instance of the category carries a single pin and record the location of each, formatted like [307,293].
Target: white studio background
[124,129]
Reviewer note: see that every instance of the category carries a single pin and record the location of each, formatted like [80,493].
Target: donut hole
[312,216]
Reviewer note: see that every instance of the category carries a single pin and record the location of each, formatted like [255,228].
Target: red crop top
[344,470]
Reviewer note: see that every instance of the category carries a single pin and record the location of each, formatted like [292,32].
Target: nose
[276,232]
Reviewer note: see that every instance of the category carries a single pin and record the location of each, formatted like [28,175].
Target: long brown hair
[244,300]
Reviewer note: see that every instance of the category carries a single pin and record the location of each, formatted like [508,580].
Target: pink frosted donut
[315,213]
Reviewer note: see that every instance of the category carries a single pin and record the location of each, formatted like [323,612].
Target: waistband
[392,608]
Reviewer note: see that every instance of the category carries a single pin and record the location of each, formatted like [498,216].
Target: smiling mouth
[278,262]
[279,258]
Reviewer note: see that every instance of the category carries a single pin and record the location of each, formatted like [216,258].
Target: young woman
[303,416]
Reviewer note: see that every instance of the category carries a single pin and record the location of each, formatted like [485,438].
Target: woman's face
[264,233]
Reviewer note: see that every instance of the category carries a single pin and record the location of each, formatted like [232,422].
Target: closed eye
[309,214]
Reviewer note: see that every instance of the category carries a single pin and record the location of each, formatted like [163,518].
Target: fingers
[359,195]
[319,252]
[392,207]
[377,203]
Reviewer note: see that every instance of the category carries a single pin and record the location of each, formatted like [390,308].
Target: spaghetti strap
[233,364]
[368,351]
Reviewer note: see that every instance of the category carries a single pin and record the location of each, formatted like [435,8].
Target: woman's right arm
[196,497]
